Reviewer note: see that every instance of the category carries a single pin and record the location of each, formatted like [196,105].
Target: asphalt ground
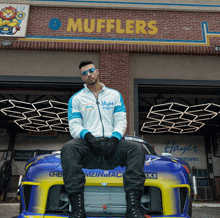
[209,210]
[200,210]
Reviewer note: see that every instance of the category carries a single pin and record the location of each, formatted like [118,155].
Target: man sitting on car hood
[97,122]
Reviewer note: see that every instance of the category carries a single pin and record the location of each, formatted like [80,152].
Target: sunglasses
[84,73]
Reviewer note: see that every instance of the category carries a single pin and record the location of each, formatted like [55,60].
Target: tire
[5,175]
[20,208]
[190,207]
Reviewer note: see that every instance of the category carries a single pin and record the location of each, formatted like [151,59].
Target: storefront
[163,58]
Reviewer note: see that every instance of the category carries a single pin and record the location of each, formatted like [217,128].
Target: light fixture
[217,48]
[40,116]
[178,118]
[6,42]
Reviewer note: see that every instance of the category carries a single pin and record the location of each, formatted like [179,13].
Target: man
[97,122]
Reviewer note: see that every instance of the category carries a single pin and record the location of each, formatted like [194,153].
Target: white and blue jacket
[103,117]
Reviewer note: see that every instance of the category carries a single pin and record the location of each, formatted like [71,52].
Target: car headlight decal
[187,169]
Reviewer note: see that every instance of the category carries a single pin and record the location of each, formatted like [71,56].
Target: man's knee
[67,148]
[136,147]
[135,150]
[139,152]
[140,149]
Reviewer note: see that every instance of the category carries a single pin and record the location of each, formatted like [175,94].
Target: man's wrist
[83,133]
[89,137]
[117,135]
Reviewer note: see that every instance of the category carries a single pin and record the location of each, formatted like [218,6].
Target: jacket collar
[87,89]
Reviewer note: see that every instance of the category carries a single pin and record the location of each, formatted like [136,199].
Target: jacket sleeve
[75,119]
[119,118]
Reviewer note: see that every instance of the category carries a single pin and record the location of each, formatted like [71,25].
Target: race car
[167,190]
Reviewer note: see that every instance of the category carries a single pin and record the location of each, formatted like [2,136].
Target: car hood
[152,162]
[161,163]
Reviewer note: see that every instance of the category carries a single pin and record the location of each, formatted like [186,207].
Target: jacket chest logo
[89,107]
[107,105]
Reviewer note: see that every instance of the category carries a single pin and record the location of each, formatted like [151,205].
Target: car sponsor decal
[151,175]
[55,174]
[174,160]
[104,183]
[103,174]
[151,159]
[35,161]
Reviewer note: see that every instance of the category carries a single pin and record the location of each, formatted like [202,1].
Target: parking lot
[200,210]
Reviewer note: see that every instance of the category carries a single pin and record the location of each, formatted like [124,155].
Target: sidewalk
[211,204]
[200,210]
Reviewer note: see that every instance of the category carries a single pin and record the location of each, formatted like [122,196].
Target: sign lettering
[55,174]
[48,134]
[183,149]
[103,174]
[151,175]
[112,25]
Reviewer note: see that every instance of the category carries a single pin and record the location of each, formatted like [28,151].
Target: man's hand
[94,142]
[110,147]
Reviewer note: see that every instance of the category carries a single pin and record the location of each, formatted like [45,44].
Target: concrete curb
[7,204]
[194,204]
[206,204]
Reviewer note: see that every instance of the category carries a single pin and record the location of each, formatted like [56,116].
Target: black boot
[133,198]
[77,204]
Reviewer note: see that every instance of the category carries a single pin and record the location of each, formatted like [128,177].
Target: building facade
[163,57]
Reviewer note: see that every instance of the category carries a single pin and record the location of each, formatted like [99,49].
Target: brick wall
[114,57]
[171,25]
[114,73]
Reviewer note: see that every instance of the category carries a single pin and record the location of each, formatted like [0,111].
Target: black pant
[76,155]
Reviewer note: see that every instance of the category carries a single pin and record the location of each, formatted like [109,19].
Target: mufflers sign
[112,25]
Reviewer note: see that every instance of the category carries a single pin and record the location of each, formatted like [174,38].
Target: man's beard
[92,82]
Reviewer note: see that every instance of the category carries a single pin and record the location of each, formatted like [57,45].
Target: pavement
[206,210]
[206,204]
[200,210]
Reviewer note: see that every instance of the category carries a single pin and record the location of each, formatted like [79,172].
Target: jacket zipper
[97,102]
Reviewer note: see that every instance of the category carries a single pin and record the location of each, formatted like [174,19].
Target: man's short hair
[84,63]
